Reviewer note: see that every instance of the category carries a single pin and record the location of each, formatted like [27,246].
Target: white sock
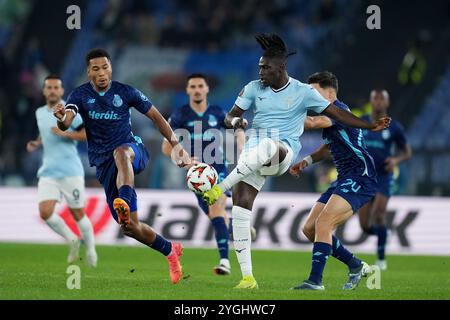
[242,238]
[57,224]
[87,232]
[255,160]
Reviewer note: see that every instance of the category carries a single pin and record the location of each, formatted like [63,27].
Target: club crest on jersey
[212,120]
[289,101]
[385,134]
[117,101]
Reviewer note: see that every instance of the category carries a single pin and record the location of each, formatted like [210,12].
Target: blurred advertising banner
[418,225]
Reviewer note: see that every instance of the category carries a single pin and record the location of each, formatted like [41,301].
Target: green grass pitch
[39,272]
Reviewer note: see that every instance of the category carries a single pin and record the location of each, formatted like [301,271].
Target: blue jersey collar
[101,94]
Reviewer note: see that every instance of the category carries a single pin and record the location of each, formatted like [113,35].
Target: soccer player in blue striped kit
[380,146]
[115,151]
[354,187]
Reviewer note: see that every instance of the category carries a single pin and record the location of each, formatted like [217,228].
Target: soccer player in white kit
[280,105]
[62,173]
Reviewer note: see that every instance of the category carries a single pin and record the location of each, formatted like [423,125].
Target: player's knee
[309,231]
[45,214]
[380,220]
[244,201]
[77,214]
[121,154]
[323,223]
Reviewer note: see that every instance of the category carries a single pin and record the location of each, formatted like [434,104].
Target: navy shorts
[107,175]
[222,172]
[385,184]
[357,190]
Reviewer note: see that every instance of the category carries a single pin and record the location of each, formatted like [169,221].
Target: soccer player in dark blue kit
[117,154]
[380,146]
[203,123]
[355,186]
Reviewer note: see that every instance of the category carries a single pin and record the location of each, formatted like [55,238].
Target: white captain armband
[308,160]
[72,108]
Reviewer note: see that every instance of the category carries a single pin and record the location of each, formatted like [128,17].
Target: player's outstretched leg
[338,251]
[377,210]
[146,235]
[218,217]
[57,224]
[87,234]
[336,211]
[243,197]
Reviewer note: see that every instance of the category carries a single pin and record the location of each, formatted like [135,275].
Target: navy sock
[321,252]
[125,193]
[342,254]
[222,236]
[162,245]
[373,230]
[382,235]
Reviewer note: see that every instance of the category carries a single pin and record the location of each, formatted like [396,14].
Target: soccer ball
[201,178]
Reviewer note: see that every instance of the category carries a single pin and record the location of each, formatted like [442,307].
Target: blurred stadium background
[156,44]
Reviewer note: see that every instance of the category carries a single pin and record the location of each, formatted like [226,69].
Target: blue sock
[126,193]
[321,252]
[162,245]
[342,254]
[222,236]
[373,230]
[382,235]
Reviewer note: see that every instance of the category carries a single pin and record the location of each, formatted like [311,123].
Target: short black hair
[325,79]
[53,76]
[97,53]
[196,75]
[273,46]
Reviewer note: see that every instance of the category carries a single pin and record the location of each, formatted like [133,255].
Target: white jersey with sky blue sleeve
[60,159]
[280,114]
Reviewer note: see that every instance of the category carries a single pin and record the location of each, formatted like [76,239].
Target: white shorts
[72,188]
[257,179]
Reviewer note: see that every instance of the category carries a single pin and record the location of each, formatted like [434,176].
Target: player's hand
[59,111]
[32,145]
[381,124]
[239,123]
[391,163]
[297,168]
[180,156]
[58,132]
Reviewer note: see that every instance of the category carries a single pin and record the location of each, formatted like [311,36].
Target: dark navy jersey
[348,149]
[381,144]
[201,134]
[106,117]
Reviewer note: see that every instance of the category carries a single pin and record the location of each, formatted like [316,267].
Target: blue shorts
[107,175]
[357,191]
[222,171]
[385,184]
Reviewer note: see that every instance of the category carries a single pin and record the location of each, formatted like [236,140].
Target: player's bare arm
[317,122]
[181,156]
[234,118]
[32,145]
[403,155]
[64,116]
[323,152]
[78,135]
[349,119]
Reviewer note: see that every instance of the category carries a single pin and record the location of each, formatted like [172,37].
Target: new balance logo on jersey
[110,115]
[91,101]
